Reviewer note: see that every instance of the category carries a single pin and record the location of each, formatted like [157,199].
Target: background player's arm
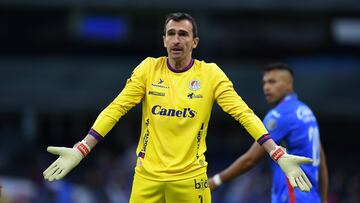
[324,176]
[231,102]
[244,163]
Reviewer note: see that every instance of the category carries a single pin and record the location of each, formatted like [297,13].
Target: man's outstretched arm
[290,164]
[68,157]
[244,163]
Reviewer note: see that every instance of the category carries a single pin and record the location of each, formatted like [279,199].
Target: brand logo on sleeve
[275,114]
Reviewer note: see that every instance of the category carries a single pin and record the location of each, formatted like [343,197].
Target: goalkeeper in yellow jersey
[177,94]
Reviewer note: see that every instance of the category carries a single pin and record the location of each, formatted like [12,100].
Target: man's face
[276,85]
[179,41]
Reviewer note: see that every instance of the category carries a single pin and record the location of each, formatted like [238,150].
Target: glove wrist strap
[83,148]
[277,153]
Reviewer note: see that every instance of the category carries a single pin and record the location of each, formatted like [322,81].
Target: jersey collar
[290,96]
[182,70]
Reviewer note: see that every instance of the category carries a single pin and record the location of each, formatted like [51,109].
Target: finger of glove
[299,183]
[62,174]
[55,174]
[292,182]
[52,166]
[306,187]
[303,160]
[307,181]
[49,175]
[55,150]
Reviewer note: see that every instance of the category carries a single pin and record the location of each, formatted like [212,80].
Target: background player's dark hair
[181,16]
[279,66]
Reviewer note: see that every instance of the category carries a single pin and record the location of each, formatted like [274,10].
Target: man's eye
[183,34]
[171,33]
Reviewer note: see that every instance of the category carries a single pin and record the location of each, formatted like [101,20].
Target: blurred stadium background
[62,62]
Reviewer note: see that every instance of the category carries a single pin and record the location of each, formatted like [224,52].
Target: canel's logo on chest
[162,111]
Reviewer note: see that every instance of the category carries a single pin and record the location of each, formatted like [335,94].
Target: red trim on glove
[83,149]
[277,154]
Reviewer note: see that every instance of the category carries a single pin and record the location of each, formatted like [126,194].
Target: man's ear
[164,41]
[196,42]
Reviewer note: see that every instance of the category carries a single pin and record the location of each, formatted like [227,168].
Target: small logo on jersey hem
[156,93]
[201,184]
[194,84]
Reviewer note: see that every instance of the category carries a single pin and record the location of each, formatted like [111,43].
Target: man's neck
[180,66]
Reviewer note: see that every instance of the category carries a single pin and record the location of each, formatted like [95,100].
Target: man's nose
[266,88]
[176,38]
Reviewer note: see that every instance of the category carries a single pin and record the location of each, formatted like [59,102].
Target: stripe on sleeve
[263,138]
[95,134]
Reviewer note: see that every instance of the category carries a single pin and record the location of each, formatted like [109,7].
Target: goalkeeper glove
[68,159]
[290,164]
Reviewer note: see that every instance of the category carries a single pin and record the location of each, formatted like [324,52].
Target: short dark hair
[279,66]
[178,16]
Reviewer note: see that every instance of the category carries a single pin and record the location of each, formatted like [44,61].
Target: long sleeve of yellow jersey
[232,103]
[131,95]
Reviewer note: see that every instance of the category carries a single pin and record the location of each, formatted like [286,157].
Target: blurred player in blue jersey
[177,93]
[293,125]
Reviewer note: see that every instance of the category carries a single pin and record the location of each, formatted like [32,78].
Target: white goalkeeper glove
[68,159]
[290,164]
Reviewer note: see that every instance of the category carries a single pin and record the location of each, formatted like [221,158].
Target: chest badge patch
[194,84]
[271,124]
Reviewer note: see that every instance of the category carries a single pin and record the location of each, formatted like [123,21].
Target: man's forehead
[277,74]
[179,25]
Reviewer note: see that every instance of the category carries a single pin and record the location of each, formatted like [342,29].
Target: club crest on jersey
[194,84]
[271,124]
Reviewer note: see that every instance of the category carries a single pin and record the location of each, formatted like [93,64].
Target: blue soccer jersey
[293,125]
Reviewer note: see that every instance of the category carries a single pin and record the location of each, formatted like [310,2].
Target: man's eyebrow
[183,31]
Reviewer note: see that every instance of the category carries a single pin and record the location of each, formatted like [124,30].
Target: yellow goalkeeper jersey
[176,109]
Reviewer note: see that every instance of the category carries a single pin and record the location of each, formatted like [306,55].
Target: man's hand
[214,182]
[68,159]
[212,185]
[290,164]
